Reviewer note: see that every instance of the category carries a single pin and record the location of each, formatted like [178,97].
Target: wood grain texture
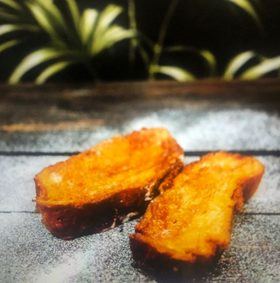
[210,88]
[39,123]
[196,124]
[30,254]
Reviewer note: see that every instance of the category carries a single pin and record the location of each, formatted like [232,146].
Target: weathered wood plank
[197,125]
[206,115]
[263,89]
[30,254]
[17,186]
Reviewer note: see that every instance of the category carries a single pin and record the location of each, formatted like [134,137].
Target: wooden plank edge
[237,89]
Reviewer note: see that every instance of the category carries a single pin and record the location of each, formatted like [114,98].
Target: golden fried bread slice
[191,221]
[99,187]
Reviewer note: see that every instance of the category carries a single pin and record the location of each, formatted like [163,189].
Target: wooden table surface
[43,125]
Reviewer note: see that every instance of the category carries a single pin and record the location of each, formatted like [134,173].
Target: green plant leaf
[4,15]
[263,68]
[50,20]
[106,17]
[179,48]
[205,54]
[110,37]
[178,74]
[8,44]
[32,60]
[7,28]
[12,4]
[42,19]
[246,6]
[52,13]
[210,59]
[236,63]
[44,2]
[75,12]
[52,70]
[134,42]
[87,24]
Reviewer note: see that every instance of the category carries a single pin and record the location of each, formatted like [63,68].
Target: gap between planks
[244,213]
[260,152]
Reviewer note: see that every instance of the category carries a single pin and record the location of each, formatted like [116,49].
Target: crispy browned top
[192,219]
[123,162]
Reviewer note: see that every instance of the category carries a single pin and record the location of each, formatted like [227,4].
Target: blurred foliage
[84,37]
[71,35]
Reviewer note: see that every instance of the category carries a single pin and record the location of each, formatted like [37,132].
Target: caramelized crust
[191,221]
[96,189]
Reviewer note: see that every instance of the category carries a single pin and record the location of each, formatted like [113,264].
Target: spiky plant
[89,33]
[87,36]
[243,67]
[158,49]
[15,19]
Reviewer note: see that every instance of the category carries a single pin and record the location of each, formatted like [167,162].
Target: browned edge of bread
[162,265]
[68,222]
[149,258]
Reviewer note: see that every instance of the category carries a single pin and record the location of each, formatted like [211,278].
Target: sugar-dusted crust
[68,221]
[191,221]
[73,198]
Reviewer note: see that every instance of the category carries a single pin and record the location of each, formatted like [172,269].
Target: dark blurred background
[215,25]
